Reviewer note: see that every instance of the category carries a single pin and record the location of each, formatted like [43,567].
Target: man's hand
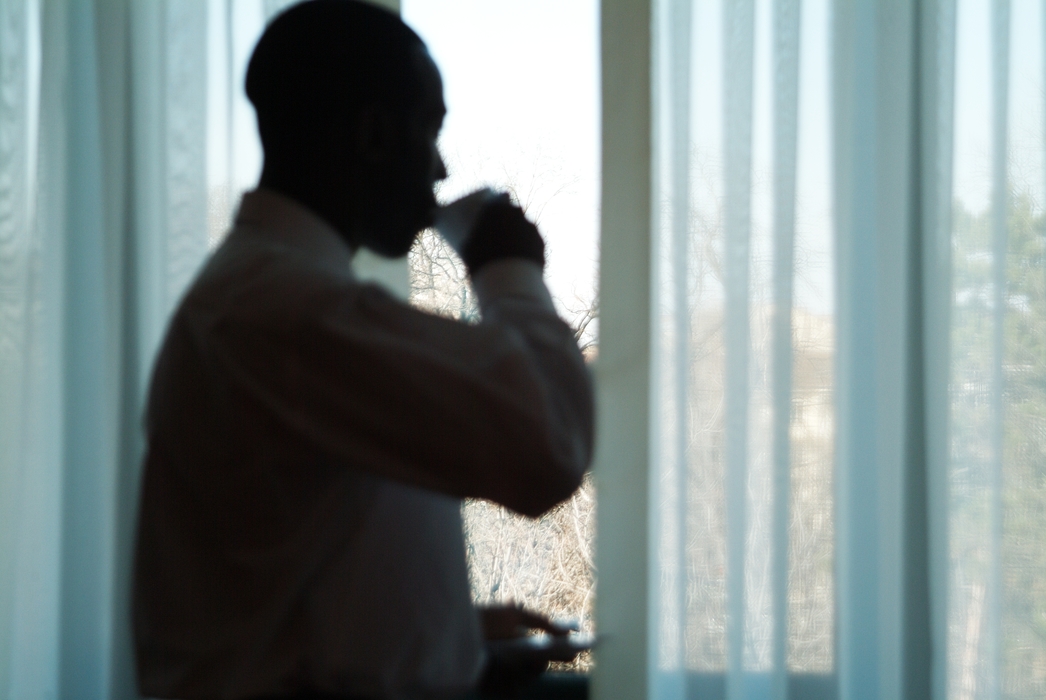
[502,622]
[502,231]
[510,670]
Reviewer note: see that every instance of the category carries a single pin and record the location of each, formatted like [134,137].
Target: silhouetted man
[309,436]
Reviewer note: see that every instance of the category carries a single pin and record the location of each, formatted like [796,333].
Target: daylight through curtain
[843,493]
[104,208]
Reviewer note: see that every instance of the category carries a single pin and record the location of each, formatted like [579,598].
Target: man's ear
[375,136]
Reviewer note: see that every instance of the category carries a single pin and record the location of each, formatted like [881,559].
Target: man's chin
[429,220]
[391,245]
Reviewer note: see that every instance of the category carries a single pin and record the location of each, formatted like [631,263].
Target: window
[522,119]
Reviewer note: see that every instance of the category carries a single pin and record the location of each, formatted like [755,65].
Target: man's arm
[501,410]
[512,293]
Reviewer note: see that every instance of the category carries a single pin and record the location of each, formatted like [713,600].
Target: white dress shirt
[309,441]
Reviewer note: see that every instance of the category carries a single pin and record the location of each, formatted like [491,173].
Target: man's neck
[315,194]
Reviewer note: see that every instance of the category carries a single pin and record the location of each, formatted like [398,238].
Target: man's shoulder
[248,274]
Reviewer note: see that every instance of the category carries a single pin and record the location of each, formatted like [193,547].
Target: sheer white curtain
[821,366]
[104,221]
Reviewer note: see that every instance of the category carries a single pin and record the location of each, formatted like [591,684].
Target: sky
[521,85]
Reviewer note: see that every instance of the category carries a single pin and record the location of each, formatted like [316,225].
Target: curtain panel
[820,459]
[104,222]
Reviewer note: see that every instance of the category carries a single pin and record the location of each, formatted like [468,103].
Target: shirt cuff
[511,278]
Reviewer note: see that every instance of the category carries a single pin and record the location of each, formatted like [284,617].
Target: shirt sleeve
[501,410]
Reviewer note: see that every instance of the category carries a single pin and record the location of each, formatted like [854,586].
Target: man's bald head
[322,61]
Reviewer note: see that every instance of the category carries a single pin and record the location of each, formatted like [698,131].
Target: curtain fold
[738,60]
[882,188]
[786,42]
[936,79]
[20,533]
[106,197]
[1000,201]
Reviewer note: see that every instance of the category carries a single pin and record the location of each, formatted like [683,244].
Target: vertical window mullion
[622,468]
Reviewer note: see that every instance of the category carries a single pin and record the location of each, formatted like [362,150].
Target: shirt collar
[290,223]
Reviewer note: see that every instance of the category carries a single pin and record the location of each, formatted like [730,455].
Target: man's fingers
[507,621]
[538,621]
